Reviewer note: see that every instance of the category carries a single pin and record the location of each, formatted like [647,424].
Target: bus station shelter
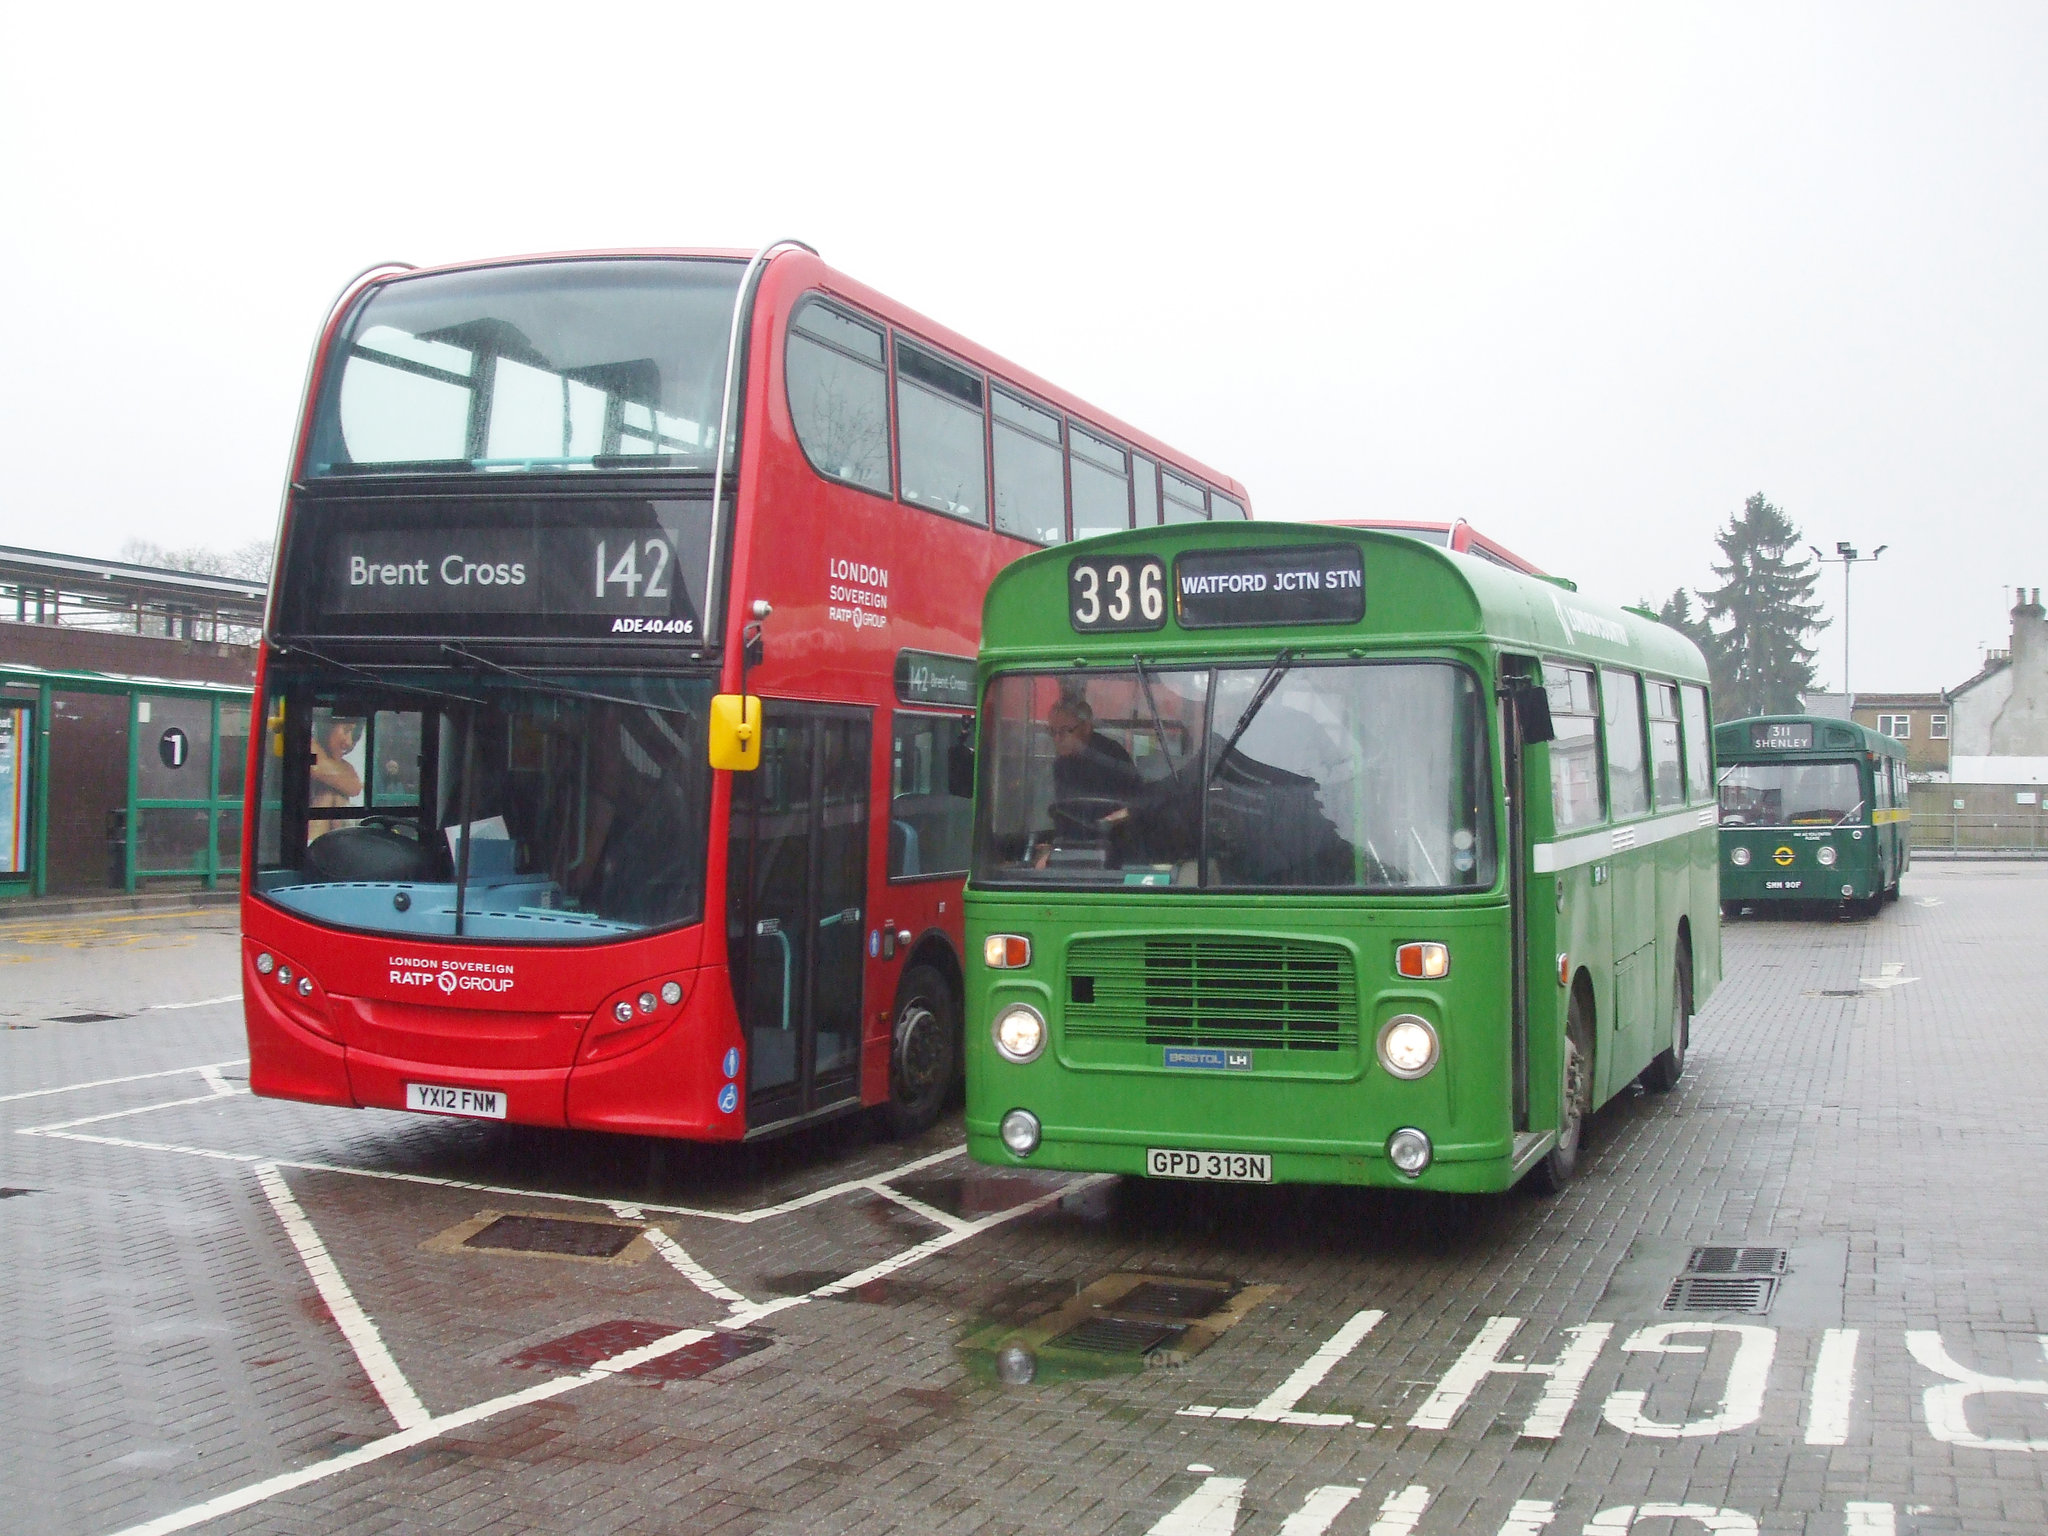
[112,784]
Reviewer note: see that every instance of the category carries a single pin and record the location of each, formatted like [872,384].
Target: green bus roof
[1750,739]
[1416,596]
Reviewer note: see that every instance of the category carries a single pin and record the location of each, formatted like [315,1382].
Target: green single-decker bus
[1318,854]
[1812,810]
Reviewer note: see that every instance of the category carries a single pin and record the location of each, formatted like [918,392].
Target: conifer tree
[1761,614]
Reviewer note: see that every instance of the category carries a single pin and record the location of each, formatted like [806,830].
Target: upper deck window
[1186,502]
[1144,491]
[1102,485]
[554,365]
[939,427]
[1223,509]
[1031,483]
[839,395]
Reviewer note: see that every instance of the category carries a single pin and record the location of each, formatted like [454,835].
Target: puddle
[1119,1325]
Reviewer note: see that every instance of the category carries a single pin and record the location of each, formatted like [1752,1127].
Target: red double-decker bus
[549,521]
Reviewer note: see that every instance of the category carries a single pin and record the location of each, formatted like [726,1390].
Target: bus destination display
[620,568]
[1781,735]
[1239,588]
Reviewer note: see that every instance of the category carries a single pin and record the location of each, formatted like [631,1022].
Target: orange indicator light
[1006,951]
[1423,962]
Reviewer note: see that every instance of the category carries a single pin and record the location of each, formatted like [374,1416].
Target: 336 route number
[1116,592]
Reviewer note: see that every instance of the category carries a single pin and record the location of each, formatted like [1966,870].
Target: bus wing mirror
[1532,714]
[960,770]
[735,732]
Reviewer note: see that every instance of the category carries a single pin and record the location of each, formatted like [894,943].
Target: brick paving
[166,1344]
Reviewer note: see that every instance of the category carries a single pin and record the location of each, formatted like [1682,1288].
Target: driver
[1091,769]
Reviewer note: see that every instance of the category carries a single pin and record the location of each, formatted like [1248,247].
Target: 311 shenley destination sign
[1288,584]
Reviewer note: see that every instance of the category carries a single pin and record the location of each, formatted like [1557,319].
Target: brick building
[1920,720]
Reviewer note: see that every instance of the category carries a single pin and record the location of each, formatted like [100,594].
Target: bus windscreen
[1790,795]
[1366,776]
[552,365]
[582,800]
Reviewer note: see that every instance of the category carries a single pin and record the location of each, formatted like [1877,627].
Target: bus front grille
[1225,990]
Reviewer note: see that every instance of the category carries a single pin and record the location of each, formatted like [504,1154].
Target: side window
[1699,754]
[1628,789]
[1031,486]
[1881,786]
[839,395]
[1223,510]
[1102,484]
[939,434]
[1667,781]
[1186,502]
[1575,750]
[1145,490]
[931,806]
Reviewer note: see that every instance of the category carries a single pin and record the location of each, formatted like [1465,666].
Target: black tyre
[1731,909]
[925,1054]
[1561,1163]
[1663,1073]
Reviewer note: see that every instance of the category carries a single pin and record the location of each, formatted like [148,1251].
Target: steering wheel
[1084,814]
[391,824]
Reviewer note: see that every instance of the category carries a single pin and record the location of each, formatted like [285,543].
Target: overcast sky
[1585,276]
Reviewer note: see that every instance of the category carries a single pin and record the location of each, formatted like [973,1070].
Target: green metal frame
[48,684]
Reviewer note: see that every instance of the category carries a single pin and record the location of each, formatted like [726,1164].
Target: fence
[2019,833]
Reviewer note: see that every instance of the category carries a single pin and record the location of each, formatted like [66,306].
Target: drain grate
[87,1018]
[1166,1298]
[1736,1261]
[1118,1336]
[554,1234]
[1721,1293]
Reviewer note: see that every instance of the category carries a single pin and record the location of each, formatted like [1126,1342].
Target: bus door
[1514,742]
[800,823]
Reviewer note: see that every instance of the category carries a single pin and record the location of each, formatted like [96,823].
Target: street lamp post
[1846,555]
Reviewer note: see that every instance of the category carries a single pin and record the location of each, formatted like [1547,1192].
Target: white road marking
[115,1114]
[204,1002]
[221,1087]
[108,1082]
[431,1429]
[61,1131]
[1319,1510]
[1277,1407]
[354,1323]
[1888,976]
[916,1207]
[1566,1377]
[680,1260]
[1947,1419]
[1870,1520]
[1741,1404]
[1528,1517]
[1211,1510]
[1834,1385]
[1722,1522]
[1399,1512]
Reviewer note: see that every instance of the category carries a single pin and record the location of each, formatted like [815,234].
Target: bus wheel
[1731,909]
[1575,1100]
[926,1047]
[1663,1073]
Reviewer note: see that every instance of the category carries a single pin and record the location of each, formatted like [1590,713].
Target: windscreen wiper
[1281,664]
[563,690]
[381,680]
[1145,683]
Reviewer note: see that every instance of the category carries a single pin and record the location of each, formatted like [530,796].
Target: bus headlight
[1739,857]
[1826,855]
[1020,1132]
[1020,1035]
[1408,1150]
[1408,1046]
